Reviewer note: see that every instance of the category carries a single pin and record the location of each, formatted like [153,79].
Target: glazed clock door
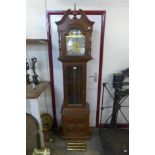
[74,84]
[92,66]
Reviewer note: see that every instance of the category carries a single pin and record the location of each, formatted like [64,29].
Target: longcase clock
[75,51]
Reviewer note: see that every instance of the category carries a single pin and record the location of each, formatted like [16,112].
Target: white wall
[116,50]
[116,44]
[35,19]
[40,51]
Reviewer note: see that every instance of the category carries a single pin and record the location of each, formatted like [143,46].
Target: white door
[92,68]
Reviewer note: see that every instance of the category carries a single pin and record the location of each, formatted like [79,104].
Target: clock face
[75,43]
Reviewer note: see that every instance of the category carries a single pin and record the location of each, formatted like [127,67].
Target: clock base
[75,123]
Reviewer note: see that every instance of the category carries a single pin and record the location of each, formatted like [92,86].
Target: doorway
[94,67]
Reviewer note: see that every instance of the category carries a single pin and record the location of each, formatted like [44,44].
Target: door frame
[102,13]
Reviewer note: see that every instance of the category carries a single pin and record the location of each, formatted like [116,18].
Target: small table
[32,94]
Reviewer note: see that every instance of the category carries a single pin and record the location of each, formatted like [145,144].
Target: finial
[74,12]
[74,6]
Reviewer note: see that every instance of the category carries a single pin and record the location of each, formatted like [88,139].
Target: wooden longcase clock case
[75,51]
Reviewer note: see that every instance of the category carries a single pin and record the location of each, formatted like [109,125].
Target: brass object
[76,146]
[44,151]
[76,143]
[76,149]
[47,121]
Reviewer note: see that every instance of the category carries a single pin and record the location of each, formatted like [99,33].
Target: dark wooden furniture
[102,15]
[75,51]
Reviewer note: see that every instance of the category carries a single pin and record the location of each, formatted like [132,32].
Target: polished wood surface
[75,123]
[65,25]
[100,13]
[33,93]
[75,110]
